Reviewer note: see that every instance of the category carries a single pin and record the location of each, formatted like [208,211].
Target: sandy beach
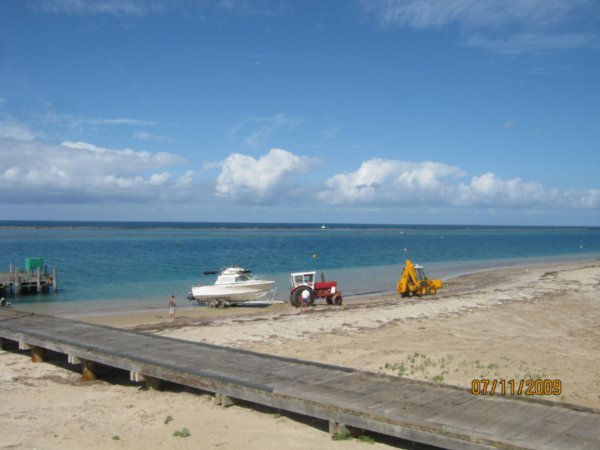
[535,321]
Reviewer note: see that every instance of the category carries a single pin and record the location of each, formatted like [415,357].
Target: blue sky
[392,111]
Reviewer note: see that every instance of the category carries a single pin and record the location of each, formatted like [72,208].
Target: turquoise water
[143,263]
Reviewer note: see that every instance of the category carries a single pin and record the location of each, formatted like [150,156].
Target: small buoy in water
[314,255]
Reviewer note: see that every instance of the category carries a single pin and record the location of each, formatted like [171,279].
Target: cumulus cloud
[33,171]
[401,183]
[380,181]
[267,179]
[12,129]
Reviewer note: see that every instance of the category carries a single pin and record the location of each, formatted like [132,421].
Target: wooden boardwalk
[434,414]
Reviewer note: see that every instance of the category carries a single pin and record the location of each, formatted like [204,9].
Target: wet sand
[537,321]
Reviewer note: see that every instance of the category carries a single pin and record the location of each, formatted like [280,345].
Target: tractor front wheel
[337,299]
[432,290]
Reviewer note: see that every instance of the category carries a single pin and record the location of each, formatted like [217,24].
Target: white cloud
[268,179]
[122,121]
[12,129]
[510,27]
[257,130]
[331,132]
[135,8]
[530,43]
[380,181]
[472,13]
[143,8]
[73,172]
[146,136]
[400,183]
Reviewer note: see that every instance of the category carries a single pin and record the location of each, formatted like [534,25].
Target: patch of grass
[341,437]
[182,434]
[366,438]
[400,368]
[277,416]
[437,378]
[168,419]
[116,438]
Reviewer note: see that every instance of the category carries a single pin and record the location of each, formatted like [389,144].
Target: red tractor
[324,289]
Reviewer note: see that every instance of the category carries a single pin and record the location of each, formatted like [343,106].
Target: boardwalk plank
[435,414]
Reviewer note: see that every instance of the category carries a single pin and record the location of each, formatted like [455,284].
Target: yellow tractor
[413,281]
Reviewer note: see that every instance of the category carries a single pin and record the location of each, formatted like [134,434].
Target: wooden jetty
[434,414]
[16,282]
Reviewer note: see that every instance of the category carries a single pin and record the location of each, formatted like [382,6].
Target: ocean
[103,266]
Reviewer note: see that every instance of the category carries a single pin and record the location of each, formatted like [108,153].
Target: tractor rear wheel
[337,299]
[423,290]
[297,296]
[329,300]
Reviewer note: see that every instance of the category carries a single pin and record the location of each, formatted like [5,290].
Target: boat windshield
[243,278]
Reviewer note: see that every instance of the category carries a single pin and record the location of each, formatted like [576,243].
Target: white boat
[233,285]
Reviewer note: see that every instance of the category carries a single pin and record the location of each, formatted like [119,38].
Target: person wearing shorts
[305,296]
[172,306]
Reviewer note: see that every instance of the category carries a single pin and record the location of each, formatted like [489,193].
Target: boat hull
[235,292]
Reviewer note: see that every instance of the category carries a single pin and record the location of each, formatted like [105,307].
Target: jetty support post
[37,354]
[54,280]
[88,370]
[340,428]
[38,279]
[17,283]
[223,399]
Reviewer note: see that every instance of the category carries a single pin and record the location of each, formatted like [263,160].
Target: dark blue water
[125,261]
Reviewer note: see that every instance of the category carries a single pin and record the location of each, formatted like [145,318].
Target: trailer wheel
[337,299]
[211,303]
[221,304]
[432,290]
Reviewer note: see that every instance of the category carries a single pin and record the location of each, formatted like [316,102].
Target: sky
[357,111]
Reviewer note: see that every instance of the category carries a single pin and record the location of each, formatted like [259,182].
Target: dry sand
[540,321]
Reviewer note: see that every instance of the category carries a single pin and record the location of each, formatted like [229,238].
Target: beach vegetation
[366,439]
[168,419]
[277,415]
[116,438]
[182,433]
[341,436]
[437,378]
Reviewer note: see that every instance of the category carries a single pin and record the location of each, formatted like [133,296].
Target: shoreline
[145,306]
[140,312]
[528,322]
